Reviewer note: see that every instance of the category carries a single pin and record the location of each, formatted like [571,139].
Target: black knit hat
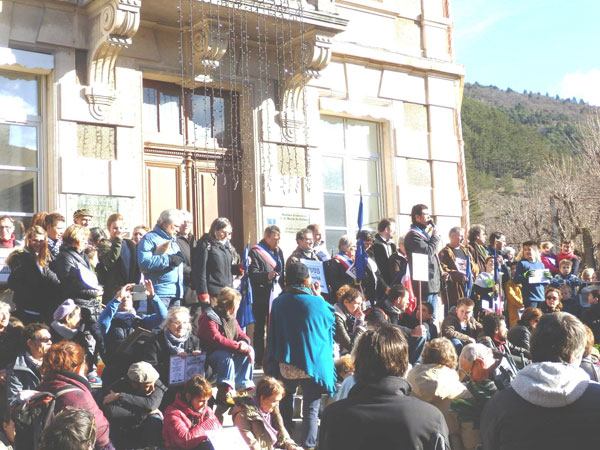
[296,273]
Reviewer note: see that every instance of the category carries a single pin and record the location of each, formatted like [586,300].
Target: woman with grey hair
[336,269]
[176,338]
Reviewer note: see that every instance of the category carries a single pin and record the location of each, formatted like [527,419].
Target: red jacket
[80,398]
[212,335]
[185,428]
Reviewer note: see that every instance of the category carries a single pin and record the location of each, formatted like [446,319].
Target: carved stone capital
[311,54]
[205,48]
[113,26]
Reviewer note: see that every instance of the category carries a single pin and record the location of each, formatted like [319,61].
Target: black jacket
[156,352]
[415,242]
[187,246]
[35,289]
[211,267]
[112,273]
[131,408]
[336,276]
[373,283]
[259,271]
[382,251]
[382,416]
[519,335]
[66,266]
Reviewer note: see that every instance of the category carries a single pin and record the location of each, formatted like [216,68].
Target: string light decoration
[255,74]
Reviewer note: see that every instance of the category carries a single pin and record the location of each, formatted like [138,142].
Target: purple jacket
[80,398]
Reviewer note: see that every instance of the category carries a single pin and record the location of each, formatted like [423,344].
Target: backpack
[32,413]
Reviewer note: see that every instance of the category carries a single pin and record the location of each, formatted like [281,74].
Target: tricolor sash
[266,255]
[346,262]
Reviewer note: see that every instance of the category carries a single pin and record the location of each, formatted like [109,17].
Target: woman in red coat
[189,417]
[64,372]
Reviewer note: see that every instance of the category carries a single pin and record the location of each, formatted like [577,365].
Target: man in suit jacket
[384,247]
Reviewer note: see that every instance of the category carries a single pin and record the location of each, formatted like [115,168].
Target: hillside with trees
[532,164]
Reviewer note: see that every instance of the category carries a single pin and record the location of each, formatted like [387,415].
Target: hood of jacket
[389,385]
[432,382]
[551,384]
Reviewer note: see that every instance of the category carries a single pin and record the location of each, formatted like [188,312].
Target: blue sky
[539,45]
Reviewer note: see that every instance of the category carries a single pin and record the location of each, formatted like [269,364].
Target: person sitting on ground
[567,252]
[494,336]
[229,351]
[64,371]
[460,326]
[425,315]
[436,381]
[379,402]
[344,370]
[189,417]
[118,320]
[72,429]
[69,325]
[131,404]
[520,334]
[24,373]
[259,420]
[590,361]
[552,303]
[551,403]
[349,318]
[175,338]
[392,311]
[477,364]
[7,433]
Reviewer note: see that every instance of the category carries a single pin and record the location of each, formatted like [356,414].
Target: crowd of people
[137,342]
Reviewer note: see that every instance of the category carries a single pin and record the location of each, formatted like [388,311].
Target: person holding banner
[266,272]
[418,240]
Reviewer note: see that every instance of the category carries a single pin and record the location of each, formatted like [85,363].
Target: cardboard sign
[227,439]
[182,369]
[316,273]
[420,267]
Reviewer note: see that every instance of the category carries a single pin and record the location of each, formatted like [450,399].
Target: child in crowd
[588,275]
[566,278]
[566,252]
[548,257]
[514,296]
[425,313]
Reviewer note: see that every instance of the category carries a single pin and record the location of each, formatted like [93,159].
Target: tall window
[20,137]
[208,114]
[351,161]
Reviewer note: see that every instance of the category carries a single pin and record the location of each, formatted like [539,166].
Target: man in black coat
[418,240]
[186,242]
[384,247]
[551,404]
[266,272]
[379,413]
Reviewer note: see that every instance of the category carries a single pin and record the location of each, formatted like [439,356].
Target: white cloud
[583,85]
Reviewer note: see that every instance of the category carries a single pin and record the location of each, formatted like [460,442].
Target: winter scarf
[175,344]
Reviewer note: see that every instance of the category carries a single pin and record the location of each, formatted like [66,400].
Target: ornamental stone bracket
[204,49]
[113,25]
[311,54]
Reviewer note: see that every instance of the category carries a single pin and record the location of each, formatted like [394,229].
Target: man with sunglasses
[24,373]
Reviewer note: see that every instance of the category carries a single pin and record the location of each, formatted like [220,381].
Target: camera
[138,292]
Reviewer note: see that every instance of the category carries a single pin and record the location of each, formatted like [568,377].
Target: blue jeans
[416,345]
[311,402]
[233,369]
[458,345]
[433,299]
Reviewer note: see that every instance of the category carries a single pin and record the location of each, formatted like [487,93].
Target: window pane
[201,115]
[18,145]
[333,174]
[18,191]
[361,137]
[335,210]
[331,240]
[219,115]
[150,110]
[363,173]
[169,114]
[332,134]
[18,95]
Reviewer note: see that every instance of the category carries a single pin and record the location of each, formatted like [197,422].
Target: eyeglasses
[551,297]
[45,340]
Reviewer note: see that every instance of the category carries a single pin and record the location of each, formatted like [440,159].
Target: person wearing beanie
[301,321]
[131,404]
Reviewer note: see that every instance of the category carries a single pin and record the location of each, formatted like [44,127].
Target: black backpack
[32,415]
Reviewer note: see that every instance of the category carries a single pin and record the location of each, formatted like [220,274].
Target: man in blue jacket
[160,258]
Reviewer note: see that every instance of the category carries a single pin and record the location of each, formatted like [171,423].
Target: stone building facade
[267,112]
